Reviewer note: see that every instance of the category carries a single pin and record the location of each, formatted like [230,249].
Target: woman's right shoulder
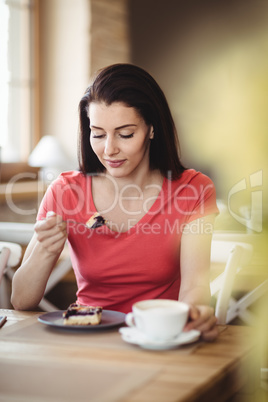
[71,177]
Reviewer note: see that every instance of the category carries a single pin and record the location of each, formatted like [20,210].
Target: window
[17,79]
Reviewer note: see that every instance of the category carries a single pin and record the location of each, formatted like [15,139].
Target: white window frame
[17,113]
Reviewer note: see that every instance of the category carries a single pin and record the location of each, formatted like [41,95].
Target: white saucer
[132,335]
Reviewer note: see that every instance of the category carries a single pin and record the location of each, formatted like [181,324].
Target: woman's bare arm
[41,255]
[195,275]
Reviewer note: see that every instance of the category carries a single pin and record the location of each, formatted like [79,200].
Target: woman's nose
[110,146]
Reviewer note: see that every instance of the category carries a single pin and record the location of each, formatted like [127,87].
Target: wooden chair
[234,256]
[22,233]
[10,256]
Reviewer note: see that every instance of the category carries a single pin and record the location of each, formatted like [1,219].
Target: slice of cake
[77,314]
[95,221]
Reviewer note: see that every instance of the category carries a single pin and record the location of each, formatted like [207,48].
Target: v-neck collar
[146,218]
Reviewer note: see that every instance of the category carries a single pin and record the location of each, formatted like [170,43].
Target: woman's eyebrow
[116,128]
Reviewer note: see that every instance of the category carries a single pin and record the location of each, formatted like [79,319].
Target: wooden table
[40,363]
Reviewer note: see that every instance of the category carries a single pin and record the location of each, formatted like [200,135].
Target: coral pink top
[114,270]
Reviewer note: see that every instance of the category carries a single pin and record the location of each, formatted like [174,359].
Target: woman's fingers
[207,325]
[50,213]
[198,315]
[52,222]
[202,318]
[51,232]
[210,335]
[55,246]
[194,313]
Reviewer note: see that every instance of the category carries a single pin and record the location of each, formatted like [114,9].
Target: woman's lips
[116,163]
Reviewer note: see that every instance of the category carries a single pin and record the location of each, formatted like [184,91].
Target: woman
[159,215]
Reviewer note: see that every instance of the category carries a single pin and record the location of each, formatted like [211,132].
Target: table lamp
[50,157]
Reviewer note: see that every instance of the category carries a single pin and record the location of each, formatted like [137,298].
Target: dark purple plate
[109,319]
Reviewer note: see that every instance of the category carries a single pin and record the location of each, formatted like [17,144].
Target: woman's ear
[151,136]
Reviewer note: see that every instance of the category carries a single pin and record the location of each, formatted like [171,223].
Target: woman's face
[120,138]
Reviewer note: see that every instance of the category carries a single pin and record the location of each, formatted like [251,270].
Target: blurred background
[211,60]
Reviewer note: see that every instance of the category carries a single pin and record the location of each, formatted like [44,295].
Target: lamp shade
[48,153]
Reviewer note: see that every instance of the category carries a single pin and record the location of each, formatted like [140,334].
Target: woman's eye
[97,135]
[126,136]
[100,136]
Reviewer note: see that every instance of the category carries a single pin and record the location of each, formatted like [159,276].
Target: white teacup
[158,319]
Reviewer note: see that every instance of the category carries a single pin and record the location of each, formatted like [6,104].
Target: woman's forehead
[116,112]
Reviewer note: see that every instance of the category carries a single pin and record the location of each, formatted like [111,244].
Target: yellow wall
[211,59]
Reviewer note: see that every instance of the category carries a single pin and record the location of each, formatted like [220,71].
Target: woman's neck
[139,181]
[124,201]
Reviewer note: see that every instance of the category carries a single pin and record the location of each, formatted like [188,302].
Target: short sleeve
[201,197]
[52,200]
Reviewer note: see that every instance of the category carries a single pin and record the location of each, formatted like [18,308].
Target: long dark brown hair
[136,88]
